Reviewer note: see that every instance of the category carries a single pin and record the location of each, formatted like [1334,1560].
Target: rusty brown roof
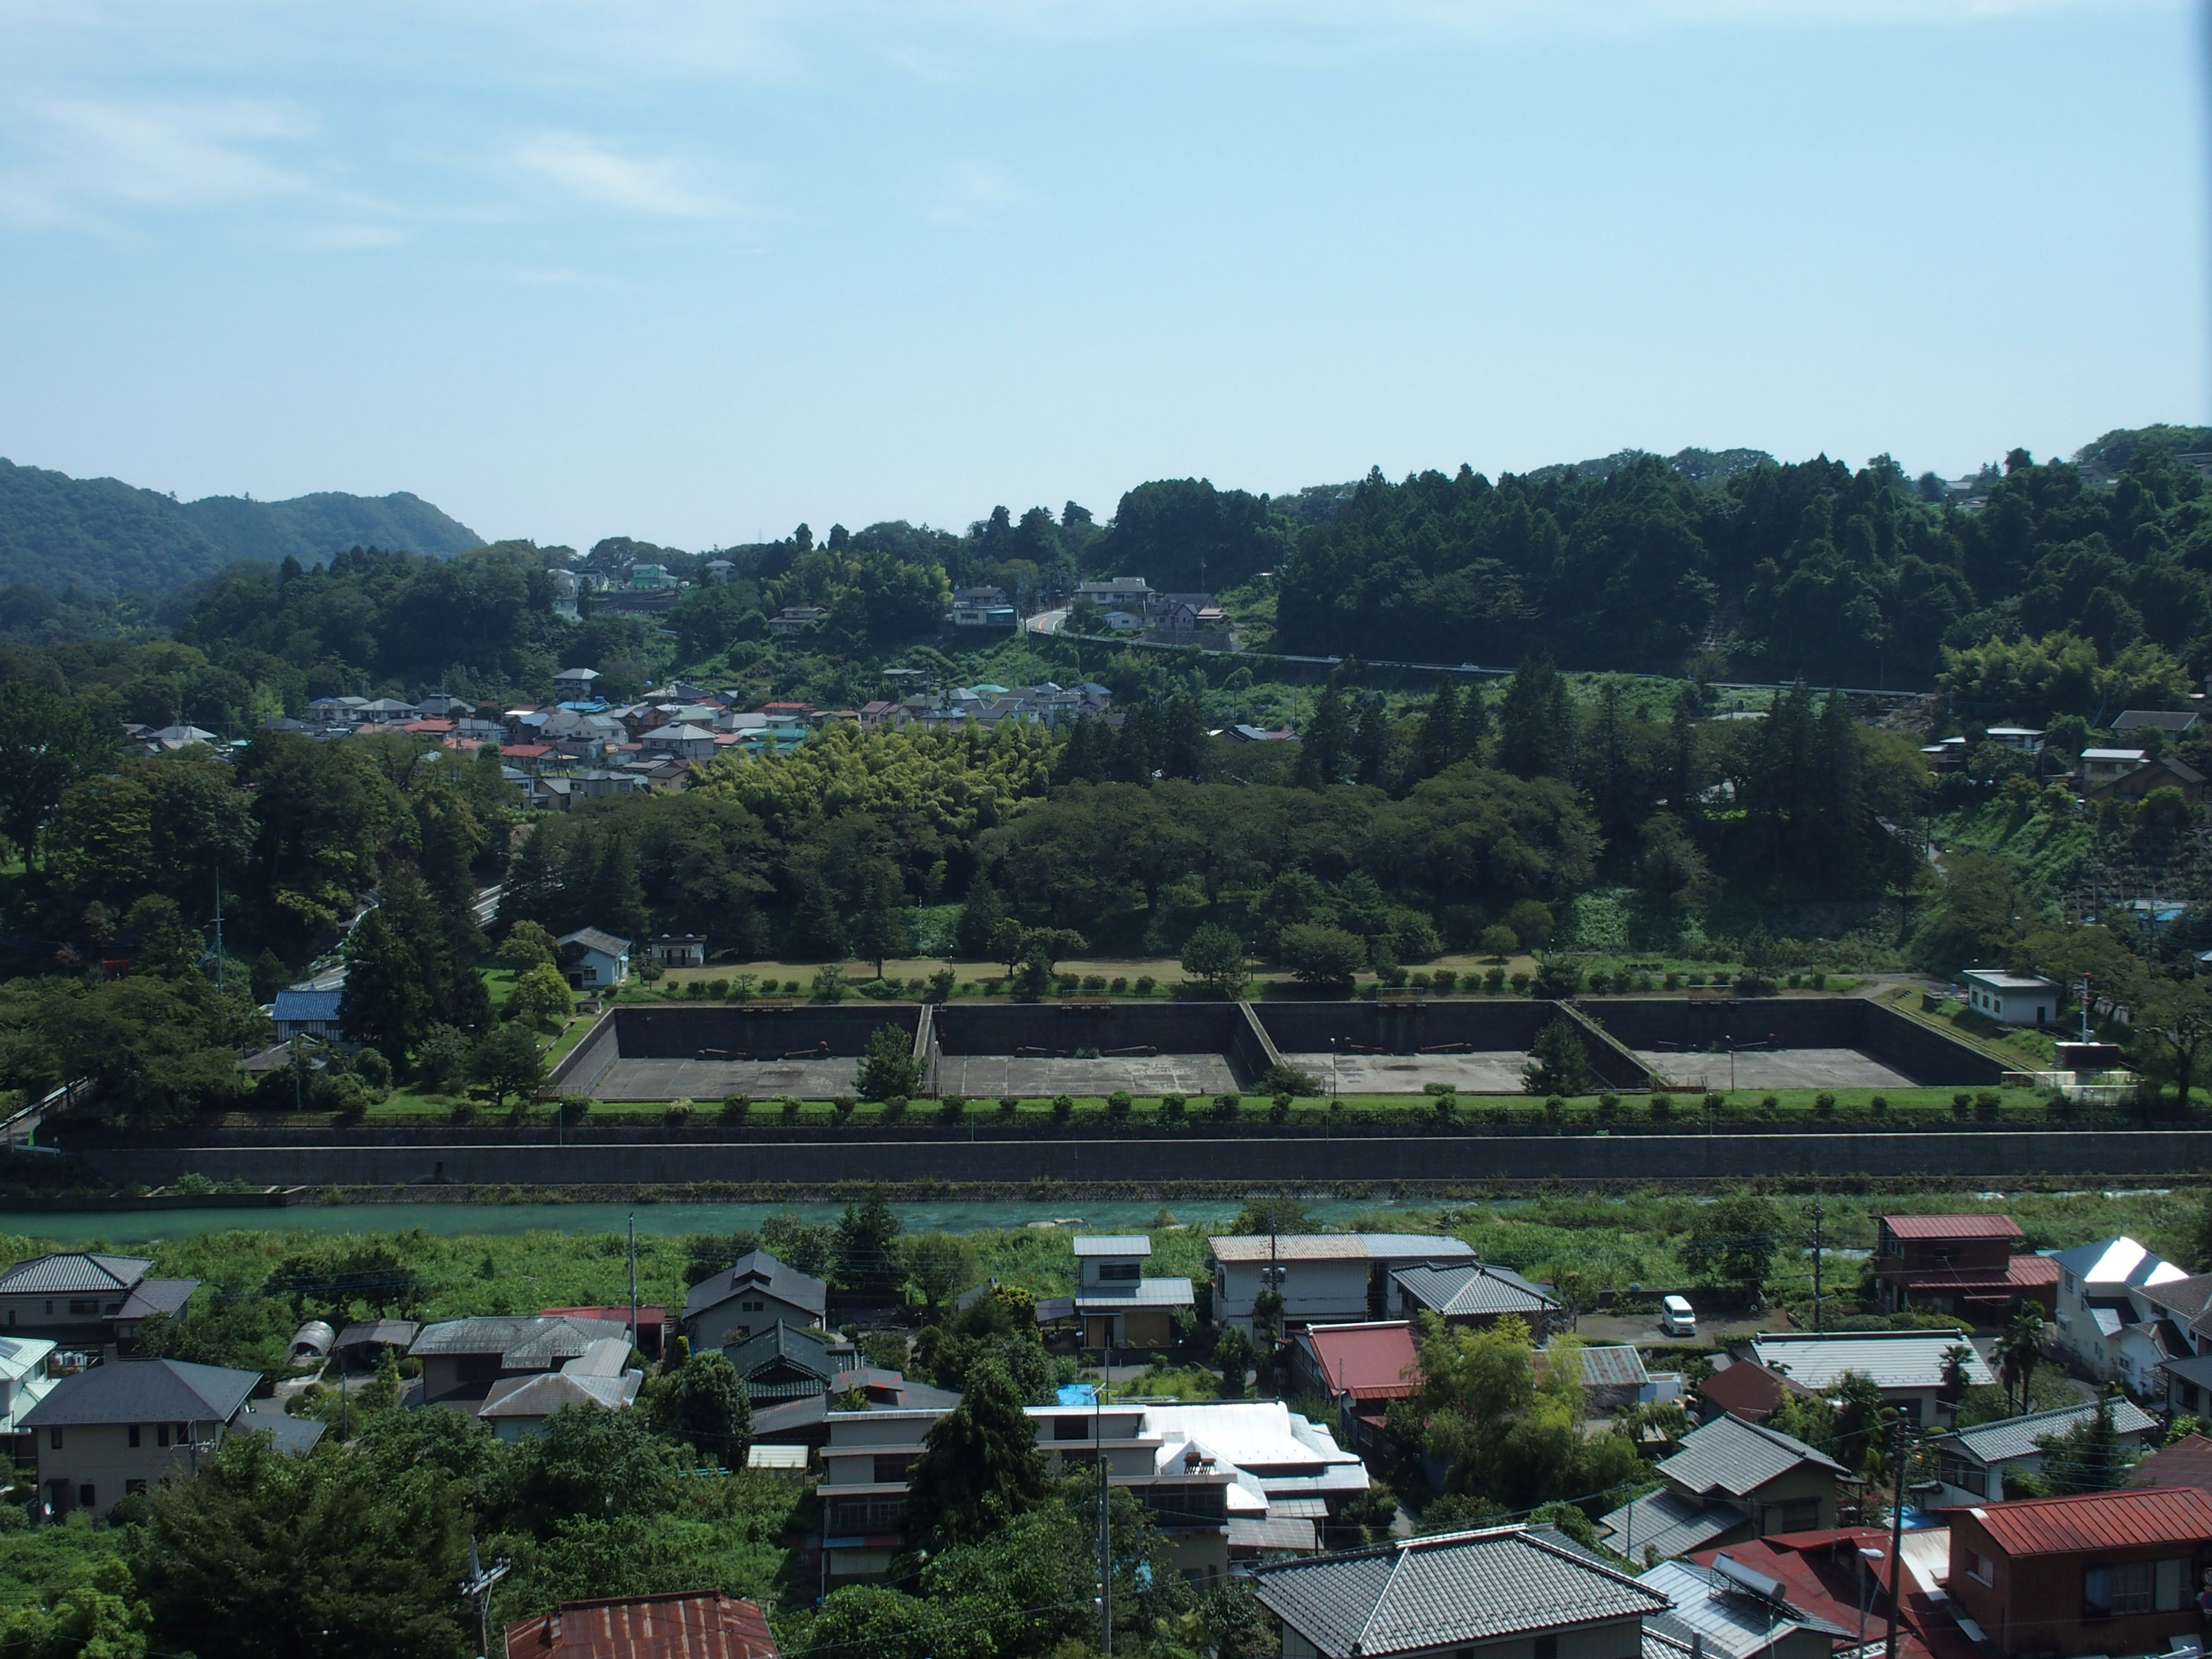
[686,1624]
[1952,1226]
[2186,1462]
[2098,1520]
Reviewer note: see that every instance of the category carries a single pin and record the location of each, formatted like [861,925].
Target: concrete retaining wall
[1173,1027]
[1929,1057]
[1509,1025]
[679,1033]
[2153,1154]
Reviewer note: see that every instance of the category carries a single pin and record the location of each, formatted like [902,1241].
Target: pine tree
[1439,745]
[532,887]
[1685,779]
[879,928]
[1534,725]
[817,931]
[1327,738]
[1372,745]
[386,1004]
[1472,734]
[979,916]
[979,1466]
[615,901]
[1134,744]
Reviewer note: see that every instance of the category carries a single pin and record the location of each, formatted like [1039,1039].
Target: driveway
[1641,1330]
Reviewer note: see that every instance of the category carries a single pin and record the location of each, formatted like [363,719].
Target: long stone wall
[491,1160]
[1928,1056]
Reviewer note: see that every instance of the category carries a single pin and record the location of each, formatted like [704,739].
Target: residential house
[310,1014]
[1729,1481]
[2106,1321]
[121,1428]
[1612,1373]
[599,1378]
[1361,1369]
[1290,1476]
[789,1362]
[1730,1609]
[654,1333]
[2012,999]
[2163,773]
[1973,1463]
[682,743]
[695,1624]
[25,1378]
[86,1301]
[2103,766]
[1115,592]
[573,685]
[2186,1462]
[1117,1306]
[1324,1278]
[982,607]
[1745,1388]
[803,1424]
[594,960]
[1473,1293]
[1838,1577]
[361,1345]
[2096,1573]
[2169,722]
[1517,1592]
[1909,1367]
[2028,739]
[679,951]
[796,619]
[864,1461]
[462,1358]
[1976,1267]
[753,1294]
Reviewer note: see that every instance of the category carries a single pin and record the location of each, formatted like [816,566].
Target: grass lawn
[2022,1050]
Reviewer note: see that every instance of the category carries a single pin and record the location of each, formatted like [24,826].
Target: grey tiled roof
[1144,1293]
[2014,1436]
[758,1270]
[1421,1593]
[73,1272]
[1895,1359]
[1473,1288]
[144,1391]
[1732,1456]
[594,938]
[798,1346]
[520,1340]
[1667,1523]
[153,1295]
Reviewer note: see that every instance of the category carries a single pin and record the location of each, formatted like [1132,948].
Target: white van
[1677,1317]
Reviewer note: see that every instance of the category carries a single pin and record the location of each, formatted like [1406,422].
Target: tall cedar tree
[979,1466]
[1534,724]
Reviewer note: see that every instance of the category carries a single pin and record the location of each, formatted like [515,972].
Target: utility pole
[1817,1325]
[1105,1504]
[477,1587]
[633,1279]
[1903,1453]
[218,927]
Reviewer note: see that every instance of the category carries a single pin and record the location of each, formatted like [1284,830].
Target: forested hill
[103,535]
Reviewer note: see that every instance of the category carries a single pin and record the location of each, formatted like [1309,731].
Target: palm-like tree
[2018,1351]
[1956,1357]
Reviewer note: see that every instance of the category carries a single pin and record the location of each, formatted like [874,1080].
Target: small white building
[2105,765]
[2106,1325]
[2027,739]
[1324,1278]
[575,684]
[2012,999]
[679,951]
[594,960]
[1118,1306]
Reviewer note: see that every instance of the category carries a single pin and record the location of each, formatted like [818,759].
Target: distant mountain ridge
[103,536]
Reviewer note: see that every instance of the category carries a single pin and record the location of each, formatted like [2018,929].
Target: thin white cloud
[977,192]
[78,154]
[593,173]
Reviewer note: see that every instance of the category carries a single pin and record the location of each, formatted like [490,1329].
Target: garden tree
[1232,1357]
[1737,1238]
[704,1403]
[507,1061]
[867,1248]
[817,929]
[939,1265]
[2177,1016]
[540,997]
[980,918]
[1671,872]
[151,826]
[1327,743]
[980,1467]
[1507,1430]
[1498,941]
[1807,1417]
[1862,1421]
[1531,922]
[1214,956]
[526,946]
[2088,1456]
[1049,944]
[1008,937]
[96,1613]
[1558,1064]
[266,1553]
[2018,1350]
[999,1330]
[1317,955]
[1977,915]
[46,744]
[1374,746]
[1437,742]
[887,1068]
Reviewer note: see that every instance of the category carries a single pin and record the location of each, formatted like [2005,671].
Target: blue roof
[308,1005]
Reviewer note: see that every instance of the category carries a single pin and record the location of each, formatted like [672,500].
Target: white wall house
[1324,1278]
[2106,1324]
[2012,999]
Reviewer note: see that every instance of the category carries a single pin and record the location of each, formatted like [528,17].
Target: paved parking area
[985,1077]
[1493,1072]
[718,1079]
[1778,1068]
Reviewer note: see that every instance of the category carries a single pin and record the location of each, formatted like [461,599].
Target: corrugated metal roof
[1276,1532]
[1604,1365]
[688,1625]
[1952,1226]
[1472,1290]
[2098,1520]
[1369,1361]
[1895,1359]
[757,1270]
[1423,1593]
[1732,1620]
[1113,1244]
[1337,1246]
[73,1272]
[2186,1462]
[1732,1456]
[1144,1293]
[144,1391]
[2016,1436]
[595,938]
[307,1005]
[519,1339]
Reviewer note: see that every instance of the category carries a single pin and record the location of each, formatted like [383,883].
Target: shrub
[895,1109]
[1520,982]
[463,1112]
[1227,1107]
[1086,1053]
[1793,980]
[1987,1105]
[1440,1088]
[1009,1104]
[1607,1105]
[717,989]
[1644,981]
[888,1067]
[1446,980]
[1878,1105]
[951,1108]
[1820,982]
[1119,984]
[1693,979]
[1067,984]
[575,1109]
[1446,1108]
[1824,1104]
[844,1106]
[1493,982]
[1119,1106]
[677,1114]
[696,989]
[1599,984]
[1716,1102]
[1420,981]
[1284,1078]
[829,983]
[1961,1104]
[1171,1109]
[1673,981]
[1092,982]
[1063,1107]
[1663,1108]
[737,1108]
[791,1105]
[1142,985]
[1278,1109]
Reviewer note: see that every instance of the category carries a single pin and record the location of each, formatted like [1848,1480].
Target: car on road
[1677,1317]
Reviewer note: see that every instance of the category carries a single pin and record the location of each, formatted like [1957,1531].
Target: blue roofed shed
[308,1014]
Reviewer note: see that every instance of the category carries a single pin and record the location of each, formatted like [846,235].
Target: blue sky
[695,272]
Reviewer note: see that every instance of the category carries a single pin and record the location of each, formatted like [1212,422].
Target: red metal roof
[2098,1520]
[1368,1362]
[648,1313]
[2186,1462]
[2019,1272]
[1952,1226]
[687,1625]
[1747,1390]
[1820,1575]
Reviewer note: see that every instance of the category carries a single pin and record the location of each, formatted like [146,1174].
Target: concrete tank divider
[1687,1024]
[1507,1025]
[1268,1055]
[925,1040]
[1616,1068]
[675,1032]
[583,1066]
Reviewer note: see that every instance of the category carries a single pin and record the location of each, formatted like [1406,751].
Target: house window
[2117,1588]
[1548,1647]
[1071,1428]
[87,1495]
[1964,1474]
[866,1515]
[134,1487]
[182,1432]
[134,1437]
[1119,1272]
[1799,1515]
[53,1439]
[160,1434]
[892,1466]
[1979,1567]
[81,1307]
